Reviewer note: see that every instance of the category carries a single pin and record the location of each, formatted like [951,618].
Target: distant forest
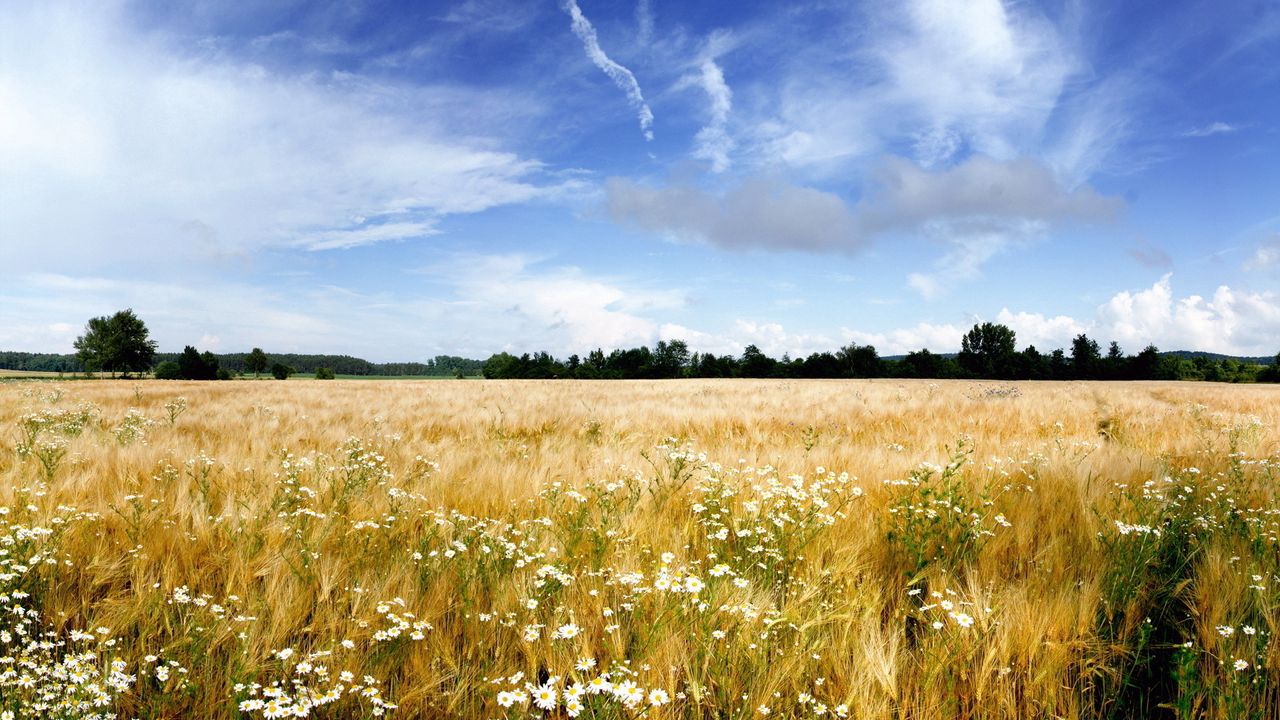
[1085,361]
[440,365]
[987,352]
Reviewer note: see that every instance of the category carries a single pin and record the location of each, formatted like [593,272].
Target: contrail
[621,76]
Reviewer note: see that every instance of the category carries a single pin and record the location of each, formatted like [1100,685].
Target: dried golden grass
[1047,457]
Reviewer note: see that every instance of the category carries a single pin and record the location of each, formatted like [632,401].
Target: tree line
[120,344]
[988,351]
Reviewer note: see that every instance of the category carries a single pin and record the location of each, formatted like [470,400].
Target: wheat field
[668,549]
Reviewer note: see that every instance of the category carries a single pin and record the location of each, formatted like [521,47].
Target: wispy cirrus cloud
[1265,255]
[1213,128]
[943,79]
[533,303]
[177,153]
[712,143]
[621,76]
[644,22]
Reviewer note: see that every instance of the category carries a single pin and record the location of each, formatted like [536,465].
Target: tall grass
[680,549]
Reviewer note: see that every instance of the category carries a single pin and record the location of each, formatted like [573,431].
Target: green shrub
[324,373]
[168,370]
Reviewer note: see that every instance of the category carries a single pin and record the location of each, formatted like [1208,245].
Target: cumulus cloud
[771,338]
[1047,333]
[113,138]
[935,337]
[621,76]
[1230,321]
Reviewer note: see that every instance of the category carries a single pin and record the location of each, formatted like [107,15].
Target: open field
[671,549]
[26,374]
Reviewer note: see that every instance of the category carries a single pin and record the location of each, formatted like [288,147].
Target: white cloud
[1266,255]
[712,141]
[367,235]
[963,262]
[621,76]
[559,309]
[938,338]
[111,138]
[1231,321]
[770,337]
[1047,333]
[985,71]
[492,302]
[644,22]
[1214,128]
[774,340]
[982,76]
[1091,126]
[45,312]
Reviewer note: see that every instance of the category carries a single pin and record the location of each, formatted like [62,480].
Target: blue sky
[399,180]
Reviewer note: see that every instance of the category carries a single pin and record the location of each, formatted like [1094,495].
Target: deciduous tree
[116,343]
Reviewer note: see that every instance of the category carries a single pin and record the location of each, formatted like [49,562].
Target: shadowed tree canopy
[987,351]
[119,343]
[1086,357]
[255,361]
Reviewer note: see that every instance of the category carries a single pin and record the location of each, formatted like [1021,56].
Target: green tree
[324,373]
[858,361]
[1115,365]
[987,351]
[501,366]
[1086,357]
[1146,364]
[280,371]
[168,370]
[194,365]
[255,361]
[1270,373]
[670,359]
[116,343]
[211,366]
[755,364]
